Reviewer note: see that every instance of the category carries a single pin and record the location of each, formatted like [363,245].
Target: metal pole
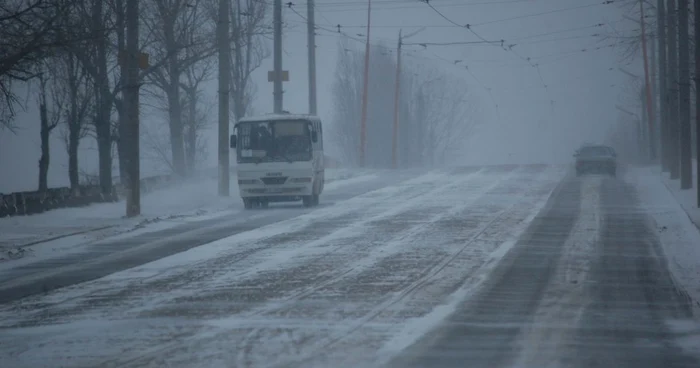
[133,197]
[684,131]
[311,29]
[697,99]
[363,121]
[394,140]
[653,71]
[224,90]
[643,133]
[647,83]
[278,57]
[663,88]
[672,85]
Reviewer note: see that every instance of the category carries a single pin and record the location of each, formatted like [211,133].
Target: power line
[508,48]
[344,6]
[607,2]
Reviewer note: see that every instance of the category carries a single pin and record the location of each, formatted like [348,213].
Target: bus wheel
[307,201]
[264,203]
[248,203]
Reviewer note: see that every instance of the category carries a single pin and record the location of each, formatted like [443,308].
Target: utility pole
[647,83]
[397,94]
[363,119]
[654,100]
[224,88]
[697,98]
[133,196]
[673,104]
[237,73]
[311,29]
[397,88]
[643,124]
[277,82]
[663,86]
[686,161]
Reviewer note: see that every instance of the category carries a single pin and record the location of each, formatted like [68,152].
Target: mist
[526,114]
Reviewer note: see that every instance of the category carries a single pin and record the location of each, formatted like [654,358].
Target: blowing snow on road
[497,266]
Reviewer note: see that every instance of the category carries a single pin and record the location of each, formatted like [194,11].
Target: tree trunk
[104,106]
[176,136]
[73,142]
[122,148]
[119,104]
[174,104]
[192,132]
[74,127]
[45,130]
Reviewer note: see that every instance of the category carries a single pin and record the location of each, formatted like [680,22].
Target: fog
[527,116]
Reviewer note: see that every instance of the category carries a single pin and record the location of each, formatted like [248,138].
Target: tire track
[310,227]
[269,286]
[484,328]
[432,264]
[280,308]
[632,295]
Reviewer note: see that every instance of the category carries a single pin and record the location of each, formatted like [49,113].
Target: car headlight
[301,180]
[247,181]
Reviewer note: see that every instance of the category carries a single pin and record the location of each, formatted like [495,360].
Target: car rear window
[595,151]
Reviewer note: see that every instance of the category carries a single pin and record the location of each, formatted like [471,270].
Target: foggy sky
[525,127]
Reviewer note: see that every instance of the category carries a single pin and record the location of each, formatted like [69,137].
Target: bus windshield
[274,141]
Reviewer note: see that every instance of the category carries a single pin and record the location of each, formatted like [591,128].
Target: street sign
[271,76]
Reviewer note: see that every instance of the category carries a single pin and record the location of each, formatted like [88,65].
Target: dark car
[596,159]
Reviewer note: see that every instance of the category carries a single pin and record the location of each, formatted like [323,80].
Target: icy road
[503,266]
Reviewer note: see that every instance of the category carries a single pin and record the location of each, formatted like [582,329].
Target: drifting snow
[346,279]
[69,230]
[679,236]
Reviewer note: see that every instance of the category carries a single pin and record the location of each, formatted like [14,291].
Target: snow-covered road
[495,266]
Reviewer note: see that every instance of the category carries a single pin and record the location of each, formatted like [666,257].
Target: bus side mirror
[314,136]
[232,142]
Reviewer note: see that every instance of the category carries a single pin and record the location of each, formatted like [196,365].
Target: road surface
[505,266]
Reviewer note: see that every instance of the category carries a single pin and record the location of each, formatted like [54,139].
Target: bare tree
[177,24]
[28,30]
[346,90]
[247,29]
[436,113]
[195,115]
[72,81]
[50,111]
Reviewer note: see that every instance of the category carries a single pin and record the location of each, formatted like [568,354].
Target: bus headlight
[301,180]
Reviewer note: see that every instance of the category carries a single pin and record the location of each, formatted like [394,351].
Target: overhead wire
[483,41]
[502,42]
[606,2]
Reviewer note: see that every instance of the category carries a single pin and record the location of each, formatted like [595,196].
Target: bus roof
[269,117]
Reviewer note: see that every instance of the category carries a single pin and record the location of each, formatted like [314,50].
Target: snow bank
[688,199]
[679,236]
[195,199]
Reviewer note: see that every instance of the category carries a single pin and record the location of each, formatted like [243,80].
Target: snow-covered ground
[676,219]
[687,198]
[334,286]
[195,200]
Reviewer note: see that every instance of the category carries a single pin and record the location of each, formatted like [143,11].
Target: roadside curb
[670,191]
[64,236]
[677,284]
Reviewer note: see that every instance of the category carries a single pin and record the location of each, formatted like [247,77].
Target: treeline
[69,56]
[437,112]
